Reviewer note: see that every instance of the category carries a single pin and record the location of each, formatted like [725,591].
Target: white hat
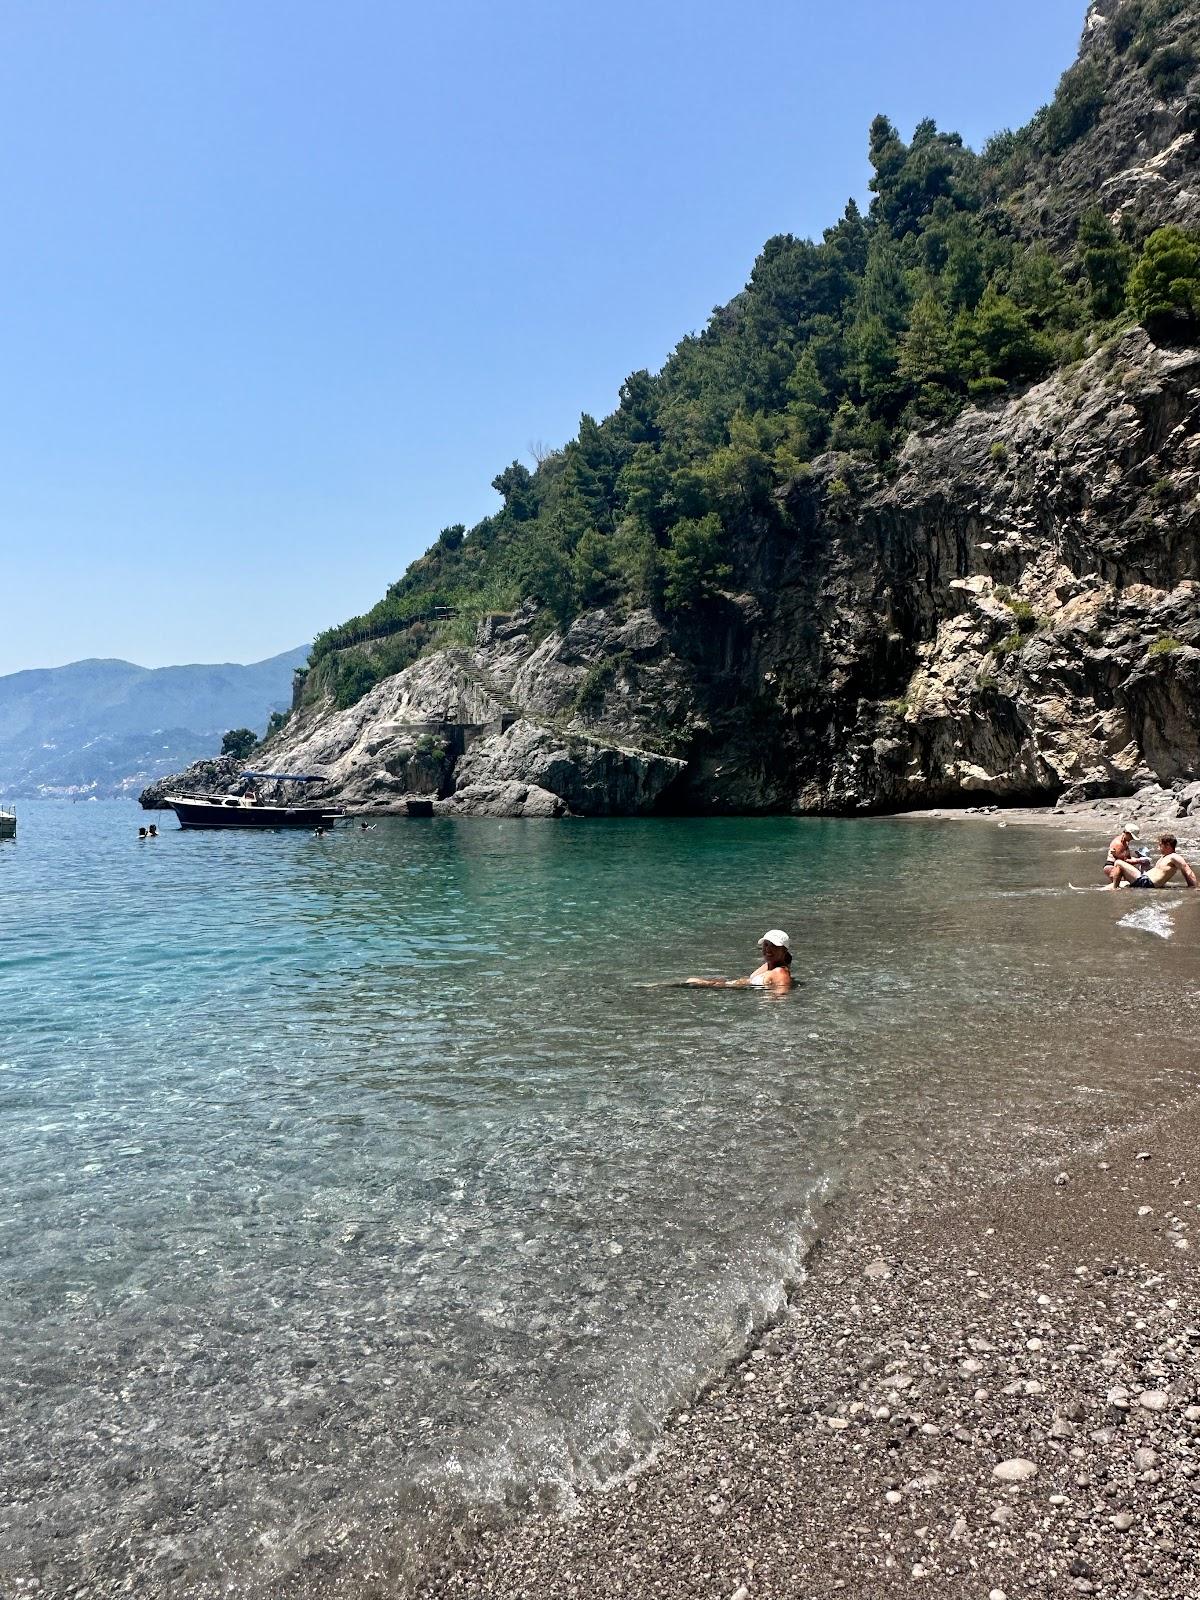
[776,936]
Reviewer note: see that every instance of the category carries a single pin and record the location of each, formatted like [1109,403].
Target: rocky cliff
[1014,614]
[1138,160]
[1008,609]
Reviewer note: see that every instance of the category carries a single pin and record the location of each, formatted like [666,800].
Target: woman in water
[775,972]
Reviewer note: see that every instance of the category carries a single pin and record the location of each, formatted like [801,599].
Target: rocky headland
[855,665]
[992,594]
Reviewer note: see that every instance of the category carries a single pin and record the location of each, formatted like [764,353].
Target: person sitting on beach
[1121,849]
[1160,874]
[774,973]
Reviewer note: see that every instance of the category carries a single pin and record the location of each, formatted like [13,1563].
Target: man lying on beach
[1121,849]
[775,972]
[1160,874]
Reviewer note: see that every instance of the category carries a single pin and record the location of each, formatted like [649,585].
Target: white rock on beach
[1015,1470]
[1153,1400]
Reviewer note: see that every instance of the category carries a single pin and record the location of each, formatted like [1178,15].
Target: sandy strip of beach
[1149,813]
[994,1394]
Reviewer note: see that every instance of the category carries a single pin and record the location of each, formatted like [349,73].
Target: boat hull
[222,814]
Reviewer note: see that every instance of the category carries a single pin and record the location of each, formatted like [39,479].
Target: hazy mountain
[109,727]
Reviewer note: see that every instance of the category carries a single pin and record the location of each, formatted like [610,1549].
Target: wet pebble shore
[995,1397]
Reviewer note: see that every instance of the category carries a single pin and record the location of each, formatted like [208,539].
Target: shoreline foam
[1022,1322]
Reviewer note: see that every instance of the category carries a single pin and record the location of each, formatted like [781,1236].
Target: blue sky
[284,283]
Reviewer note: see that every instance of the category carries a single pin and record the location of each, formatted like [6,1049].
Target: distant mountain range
[110,727]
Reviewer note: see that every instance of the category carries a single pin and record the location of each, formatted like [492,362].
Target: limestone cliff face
[1140,156]
[1013,613]
[1061,528]
[519,724]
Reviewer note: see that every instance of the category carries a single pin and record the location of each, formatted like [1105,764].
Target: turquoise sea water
[354,1182]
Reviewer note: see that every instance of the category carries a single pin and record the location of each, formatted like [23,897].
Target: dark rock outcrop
[213,776]
[1006,617]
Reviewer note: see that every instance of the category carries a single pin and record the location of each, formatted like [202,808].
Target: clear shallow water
[352,1182]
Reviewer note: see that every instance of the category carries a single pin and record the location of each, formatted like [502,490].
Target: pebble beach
[987,1395]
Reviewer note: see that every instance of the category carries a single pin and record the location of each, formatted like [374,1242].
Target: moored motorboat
[8,824]
[249,810]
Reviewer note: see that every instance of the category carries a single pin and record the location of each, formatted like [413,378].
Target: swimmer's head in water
[776,947]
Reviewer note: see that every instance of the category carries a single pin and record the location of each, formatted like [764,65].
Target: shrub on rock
[1164,288]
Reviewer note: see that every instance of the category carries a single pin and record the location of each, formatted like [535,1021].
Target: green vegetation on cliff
[895,320]
[238,742]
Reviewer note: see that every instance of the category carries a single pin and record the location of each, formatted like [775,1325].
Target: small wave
[1024,894]
[1150,919]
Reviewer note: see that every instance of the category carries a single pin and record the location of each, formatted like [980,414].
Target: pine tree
[926,355]
[999,344]
[808,401]
[592,569]
[1164,287]
[1106,261]
[1041,291]
[695,561]
[516,484]
[928,362]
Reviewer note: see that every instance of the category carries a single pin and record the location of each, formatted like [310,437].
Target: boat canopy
[287,777]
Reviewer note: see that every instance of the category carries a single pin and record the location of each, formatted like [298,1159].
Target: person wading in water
[775,972]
